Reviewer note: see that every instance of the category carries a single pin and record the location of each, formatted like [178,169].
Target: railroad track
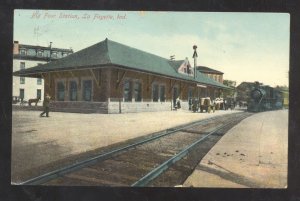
[165,159]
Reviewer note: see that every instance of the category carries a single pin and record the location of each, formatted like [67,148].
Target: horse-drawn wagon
[204,104]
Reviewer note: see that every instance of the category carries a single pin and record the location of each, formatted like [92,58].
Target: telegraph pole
[195,55]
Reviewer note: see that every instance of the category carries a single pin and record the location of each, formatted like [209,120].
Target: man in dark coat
[46,103]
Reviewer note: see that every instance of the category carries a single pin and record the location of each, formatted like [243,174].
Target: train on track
[264,98]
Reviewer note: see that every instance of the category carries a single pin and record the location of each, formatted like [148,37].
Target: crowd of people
[211,105]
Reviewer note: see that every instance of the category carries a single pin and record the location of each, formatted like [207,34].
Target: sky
[245,46]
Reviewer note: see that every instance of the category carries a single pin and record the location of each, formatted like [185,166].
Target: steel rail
[64,170]
[165,165]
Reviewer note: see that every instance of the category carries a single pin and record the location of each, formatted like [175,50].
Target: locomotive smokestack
[195,55]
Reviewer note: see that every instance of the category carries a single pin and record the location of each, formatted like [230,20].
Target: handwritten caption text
[84,16]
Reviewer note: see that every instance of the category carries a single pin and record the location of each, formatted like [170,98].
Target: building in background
[27,56]
[211,73]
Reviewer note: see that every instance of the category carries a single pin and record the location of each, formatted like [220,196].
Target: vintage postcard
[154,99]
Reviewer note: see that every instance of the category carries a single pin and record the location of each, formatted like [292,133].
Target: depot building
[110,77]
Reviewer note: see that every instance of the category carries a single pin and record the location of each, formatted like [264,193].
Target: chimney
[195,55]
[50,51]
[16,47]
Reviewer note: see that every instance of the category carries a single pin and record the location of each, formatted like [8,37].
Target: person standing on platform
[178,103]
[46,103]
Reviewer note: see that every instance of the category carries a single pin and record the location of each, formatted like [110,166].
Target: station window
[73,90]
[39,81]
[162,92]
[138,91]
[46,53]
[22,80]
[155,91]
[60,91]
[22,51]
[127,91]
[54,55]
[87,90]
[39,53]
[22,94]
[31,52]
[38,93]
[216,77]
[22,65]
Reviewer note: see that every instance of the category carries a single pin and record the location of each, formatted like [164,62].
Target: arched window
[137,91]
[87,90]
[155,92]
[60,91]
[127,91]
[162,93]
[73,90]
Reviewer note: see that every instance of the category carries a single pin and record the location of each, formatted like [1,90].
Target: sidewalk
[252,154]
[39,141]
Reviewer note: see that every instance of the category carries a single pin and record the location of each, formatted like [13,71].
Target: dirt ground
[38,141]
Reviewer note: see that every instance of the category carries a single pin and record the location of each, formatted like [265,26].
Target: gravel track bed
[126,168]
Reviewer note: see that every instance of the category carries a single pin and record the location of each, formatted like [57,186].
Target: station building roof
[110,53]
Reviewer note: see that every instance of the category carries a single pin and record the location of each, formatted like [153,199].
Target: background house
[211,73]
[27,56]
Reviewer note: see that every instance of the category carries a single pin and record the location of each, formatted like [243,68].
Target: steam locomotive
[264,98]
